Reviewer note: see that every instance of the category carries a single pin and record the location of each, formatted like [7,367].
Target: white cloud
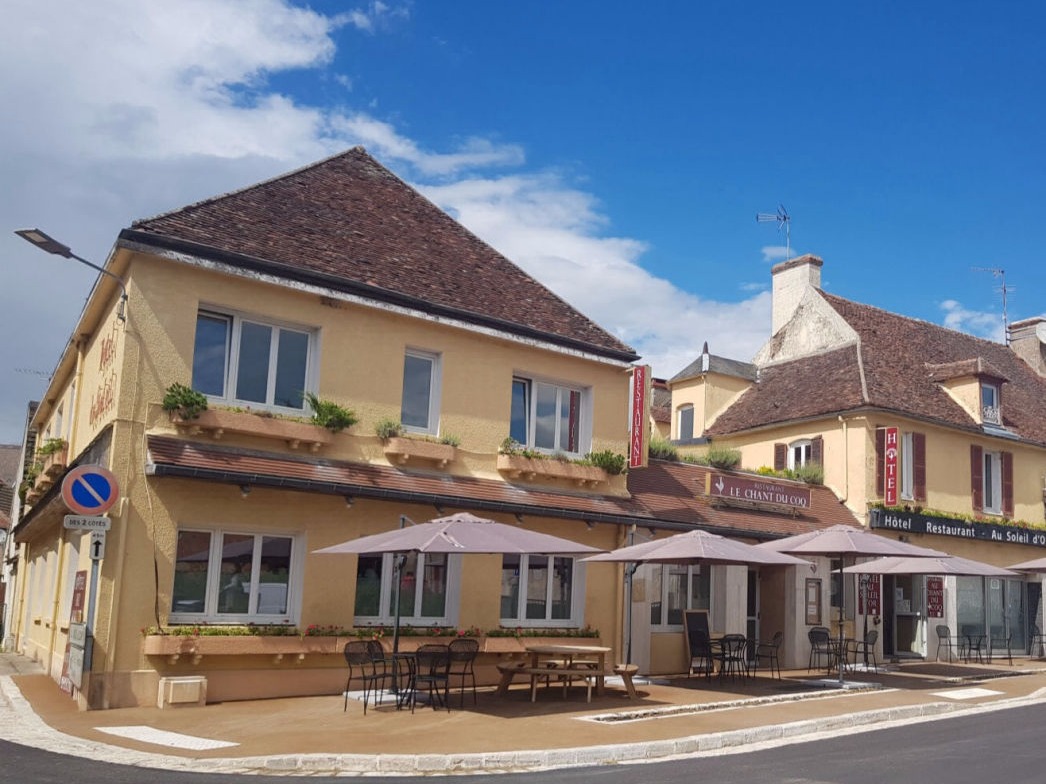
[120,109]
[775,252]
[372,17]
[983,324]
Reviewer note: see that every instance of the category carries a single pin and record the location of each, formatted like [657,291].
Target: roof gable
[350,220]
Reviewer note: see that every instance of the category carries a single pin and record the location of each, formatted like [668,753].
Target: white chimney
[1028,341]
[791,280]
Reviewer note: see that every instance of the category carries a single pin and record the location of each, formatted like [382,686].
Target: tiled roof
[710,363]
[351,223]
[660,402]
[664,493]
[902,361]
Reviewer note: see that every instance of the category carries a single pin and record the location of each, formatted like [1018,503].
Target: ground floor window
[994,607]
[675,588]
[542,590]
[426,581]
[233,577]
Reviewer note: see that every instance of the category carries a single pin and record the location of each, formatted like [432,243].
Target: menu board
[935,597]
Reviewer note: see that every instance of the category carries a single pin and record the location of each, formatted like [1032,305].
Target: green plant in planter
[184,401]
[660,449]
[388,428]
[328,414]
[811,473]
[51,446]
[720,457]
[450,440]
[610,461]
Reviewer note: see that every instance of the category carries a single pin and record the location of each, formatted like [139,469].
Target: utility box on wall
[182,691]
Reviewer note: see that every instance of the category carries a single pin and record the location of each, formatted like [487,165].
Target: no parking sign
[90,490]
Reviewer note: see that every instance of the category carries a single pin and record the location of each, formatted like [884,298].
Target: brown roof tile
[349,220]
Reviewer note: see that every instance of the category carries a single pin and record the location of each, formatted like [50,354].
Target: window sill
[516,466]
[401,449]
[218,422]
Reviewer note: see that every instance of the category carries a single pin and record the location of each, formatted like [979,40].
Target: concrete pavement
[672,717]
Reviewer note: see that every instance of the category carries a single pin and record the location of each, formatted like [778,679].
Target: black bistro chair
[820,648]
[431,675]
[463,652]
[768,652]
[732,659]
[865,649]
[367,664]
[948,642]
[702,655]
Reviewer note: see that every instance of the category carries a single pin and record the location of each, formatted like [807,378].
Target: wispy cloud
[775,252]
[984,324]
[371,18]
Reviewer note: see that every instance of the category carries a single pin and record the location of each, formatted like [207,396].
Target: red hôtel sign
[757,491]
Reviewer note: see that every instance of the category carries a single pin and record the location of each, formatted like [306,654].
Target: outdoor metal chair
[769,652]
[463,654]
[731,657]
[948,642]
[367,663]
[865,649]
[702,656]
[973,644]
[820,648]
[1000,642]
[432,675]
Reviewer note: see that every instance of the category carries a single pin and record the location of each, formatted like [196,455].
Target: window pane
[701,588]
[252,373]
[676,594]
[417,391]
[368,585]
[274,575]
[520,411]
[989,482]
[237,558]
[569,416]
[510,587]
[686,422]
[210,354]
[546,398]
[537,586]
[408,587]
[190,572]
[562,588]
[291,361]
[434,586]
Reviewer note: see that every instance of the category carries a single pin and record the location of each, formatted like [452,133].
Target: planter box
[400,450]
[176,646]
[218,422]
[54,464]
[533,467]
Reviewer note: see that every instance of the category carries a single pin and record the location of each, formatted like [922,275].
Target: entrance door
[752,625]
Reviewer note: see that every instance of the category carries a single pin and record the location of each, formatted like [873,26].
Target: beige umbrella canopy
[697,547]
[1037,565]
[948,565]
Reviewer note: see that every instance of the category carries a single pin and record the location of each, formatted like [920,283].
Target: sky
[618,152]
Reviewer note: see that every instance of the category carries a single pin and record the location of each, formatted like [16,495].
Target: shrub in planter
[388,428]
[328,414]
[610,461]
[660,449]
[184,402]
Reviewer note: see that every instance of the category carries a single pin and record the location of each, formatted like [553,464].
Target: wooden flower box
[177,646]
[53,464]
[218,422]
[400,450]
[516,466]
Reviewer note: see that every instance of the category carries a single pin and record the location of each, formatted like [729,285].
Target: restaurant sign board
[757,491]
[890,467]
[910,522]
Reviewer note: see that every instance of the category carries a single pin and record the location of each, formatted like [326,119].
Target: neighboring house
[9,455]
[945,430]
[660,409]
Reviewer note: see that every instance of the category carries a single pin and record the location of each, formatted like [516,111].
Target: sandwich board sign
[90,490]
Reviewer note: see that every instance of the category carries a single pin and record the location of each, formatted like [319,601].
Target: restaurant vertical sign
[890,467]
[639,428]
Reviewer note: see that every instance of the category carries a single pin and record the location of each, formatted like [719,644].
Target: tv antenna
[1004,289]
[781,218]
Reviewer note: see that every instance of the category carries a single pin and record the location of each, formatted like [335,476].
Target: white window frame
[584,412]
[387,618]
[211,613]
[684,409]
[693,570]
[992,482]
[803,449]
[236,319]
[435,378]
[991,413]
[577,597]
[907,466]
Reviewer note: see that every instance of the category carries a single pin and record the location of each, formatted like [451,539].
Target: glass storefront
[996,608]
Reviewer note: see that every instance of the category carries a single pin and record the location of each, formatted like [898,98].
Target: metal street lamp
[49,244]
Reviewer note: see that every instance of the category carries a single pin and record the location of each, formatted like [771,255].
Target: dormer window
[991,413]
[686,423]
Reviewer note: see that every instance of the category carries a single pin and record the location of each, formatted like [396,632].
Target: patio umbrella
[840,541]
[947,565]
[459,533]
[693,547]
[1035,566]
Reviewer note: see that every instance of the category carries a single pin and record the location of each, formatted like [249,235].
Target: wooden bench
[625,672]
[585,672]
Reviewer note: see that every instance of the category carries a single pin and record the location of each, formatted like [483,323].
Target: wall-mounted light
[49,244]
[349,500]
[245,490]
[519,518]
[439,510]
[589,525]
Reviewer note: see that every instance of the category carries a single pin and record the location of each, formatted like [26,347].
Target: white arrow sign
[97,547]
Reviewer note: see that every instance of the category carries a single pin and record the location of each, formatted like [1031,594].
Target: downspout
[846,459]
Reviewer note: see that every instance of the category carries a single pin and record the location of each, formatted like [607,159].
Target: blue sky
[618,152]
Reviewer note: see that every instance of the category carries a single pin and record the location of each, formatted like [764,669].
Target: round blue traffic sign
[90,490]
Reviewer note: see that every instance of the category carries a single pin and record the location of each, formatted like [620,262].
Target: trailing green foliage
[388,428]
[450,440]
[50,447]
[184,401]
[661,449]
[719,457]
[610,461]
[328,414]
[811,473]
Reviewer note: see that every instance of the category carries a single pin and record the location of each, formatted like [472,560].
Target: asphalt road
[1002,746]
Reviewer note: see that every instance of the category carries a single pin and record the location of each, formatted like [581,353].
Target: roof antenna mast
[1004,289]
[781,218]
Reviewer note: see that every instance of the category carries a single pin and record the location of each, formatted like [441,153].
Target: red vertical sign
[935,597]
[890,474]
[637,447]
[871,594]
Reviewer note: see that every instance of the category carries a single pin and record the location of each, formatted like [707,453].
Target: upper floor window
[426,582]
[991,478]
[543,590]
[251,361]
[990,408]
[676,588]
[800,453]
[234,577]
[686,423]
[419,410]
[548,416]
[993,482]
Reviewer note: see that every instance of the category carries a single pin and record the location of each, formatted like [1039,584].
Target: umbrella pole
[397,573]
[630,573]
[842,606]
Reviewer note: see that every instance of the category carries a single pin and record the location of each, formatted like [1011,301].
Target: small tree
[184,401]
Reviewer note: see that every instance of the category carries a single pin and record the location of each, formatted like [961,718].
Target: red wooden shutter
[880,461]
[919,465]
[817,450]
[780,457]
[977,477]
[1007,484]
